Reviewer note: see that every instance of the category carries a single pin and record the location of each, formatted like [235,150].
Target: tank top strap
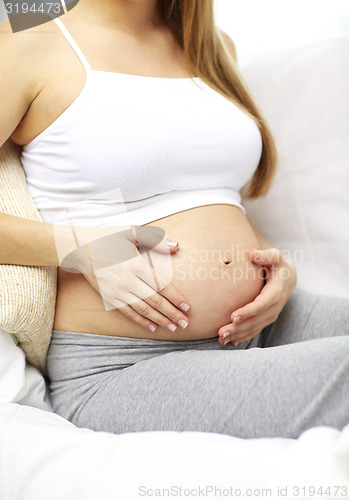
[73,44]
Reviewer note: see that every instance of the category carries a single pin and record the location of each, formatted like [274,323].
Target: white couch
[304,94]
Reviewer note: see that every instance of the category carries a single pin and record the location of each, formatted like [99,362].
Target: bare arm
[23,242]
[18,84]
[30,243]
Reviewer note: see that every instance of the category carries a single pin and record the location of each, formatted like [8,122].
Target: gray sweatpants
[294,375]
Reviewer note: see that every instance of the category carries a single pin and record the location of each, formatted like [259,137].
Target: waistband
[62,337]
[77,355]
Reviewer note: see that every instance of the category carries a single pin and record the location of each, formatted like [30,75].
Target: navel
[227,258]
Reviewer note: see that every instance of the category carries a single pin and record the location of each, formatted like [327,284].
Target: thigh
[307,316]
[278,391]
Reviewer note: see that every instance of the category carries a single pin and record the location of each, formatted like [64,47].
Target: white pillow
[19,382]
[43,456]
[303,93]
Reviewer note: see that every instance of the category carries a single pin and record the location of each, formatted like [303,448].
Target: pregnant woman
[138,139]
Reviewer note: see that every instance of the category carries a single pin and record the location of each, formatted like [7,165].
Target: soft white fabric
[43,456]
[132,149]
[304,95]
[19,382]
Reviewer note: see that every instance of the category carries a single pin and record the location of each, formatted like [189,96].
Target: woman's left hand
[249,320]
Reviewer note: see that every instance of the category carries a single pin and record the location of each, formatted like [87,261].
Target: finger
[155,307]
[240,327]
[164,310]
[166,245]
[241,331]
[235,342]
[163,286]
[175,297]
[228,329]
[253,325]
[143,268]
[268,257]
[269,296]
[251,336]
[133,315]
[146,311]
[153,237]
[136,294]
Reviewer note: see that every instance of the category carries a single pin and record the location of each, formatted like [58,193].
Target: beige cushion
[27,293]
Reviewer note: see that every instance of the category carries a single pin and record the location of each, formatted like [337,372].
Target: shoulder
[29,54]
[22,53]
[31,43]
[22,56]
[229,44]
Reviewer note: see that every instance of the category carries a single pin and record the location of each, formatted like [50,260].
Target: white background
[257,26]
[260,25]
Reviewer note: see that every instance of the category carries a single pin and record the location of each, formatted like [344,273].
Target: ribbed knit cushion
[27,293]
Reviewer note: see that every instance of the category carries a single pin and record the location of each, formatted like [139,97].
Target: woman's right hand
[126,277]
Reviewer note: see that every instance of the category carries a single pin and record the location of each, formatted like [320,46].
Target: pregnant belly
[211,268]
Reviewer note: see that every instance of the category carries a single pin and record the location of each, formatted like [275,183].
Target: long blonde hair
[208,56]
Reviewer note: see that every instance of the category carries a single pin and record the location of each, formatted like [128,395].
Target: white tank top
[132,149]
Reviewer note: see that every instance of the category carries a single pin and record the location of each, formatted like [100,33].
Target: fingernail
[184,306]
[171,243]
[236,319]
[226,342]
[235,343]
[226,335]
[152,328]
[183,324]
[172,327]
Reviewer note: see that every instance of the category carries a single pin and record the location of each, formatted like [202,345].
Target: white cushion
[44,456]
[19,382]
[303,93]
